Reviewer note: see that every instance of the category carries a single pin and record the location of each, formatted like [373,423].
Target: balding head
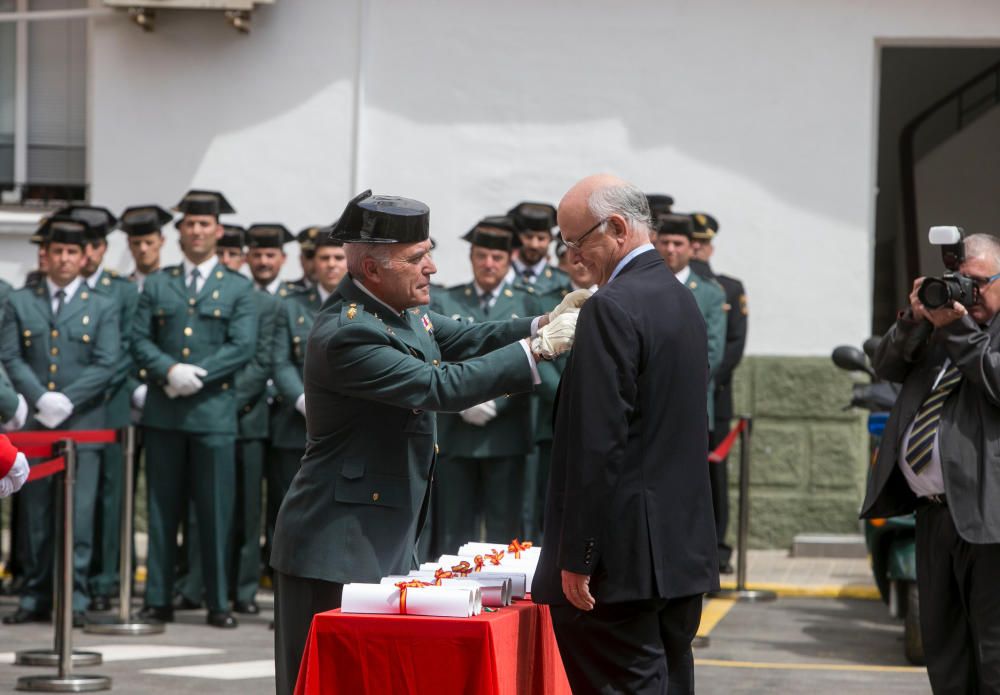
[602,219]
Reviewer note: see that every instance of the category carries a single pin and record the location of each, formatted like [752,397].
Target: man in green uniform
[377,369]
[266,256]
[60,345]
[144,226]
[535,222]
[673,241]
[295,321]
[480,473]
[706,228]
[307,239]
[195,327]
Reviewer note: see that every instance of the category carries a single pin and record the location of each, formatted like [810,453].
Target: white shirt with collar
[493,294]
[69,290]
[683,275]
[271,288]
[139,278]
[536,269]
[93,279]
[323,294]
[205,269]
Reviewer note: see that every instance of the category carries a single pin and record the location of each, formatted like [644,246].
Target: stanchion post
[124,623]
[64,680]
[741,593]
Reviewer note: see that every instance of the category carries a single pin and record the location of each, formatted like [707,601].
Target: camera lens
[934,293]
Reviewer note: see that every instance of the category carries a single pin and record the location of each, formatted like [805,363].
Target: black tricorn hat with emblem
[674,224]
[705,226]
[63,229]
[307,238]
[199,202]
[325,237]
[659,204]
[533,217]
[269,235]
[498,232]
[140,220]
[99,221]
[383,219]
[233,237]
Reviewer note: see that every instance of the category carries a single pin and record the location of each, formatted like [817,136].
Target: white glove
[53,409]
[300,404]
[15,477]
[480,414]
[139,397]
[556,337]
[20,416]
[183,379]
[573,300]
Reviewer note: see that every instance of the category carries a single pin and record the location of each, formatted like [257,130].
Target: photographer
[940,457]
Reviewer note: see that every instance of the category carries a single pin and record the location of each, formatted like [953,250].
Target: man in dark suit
[629,545]
[939,457]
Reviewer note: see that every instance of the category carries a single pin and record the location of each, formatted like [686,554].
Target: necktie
[60,296]
[193,284]
[484,302]
[925,424]
[529,274]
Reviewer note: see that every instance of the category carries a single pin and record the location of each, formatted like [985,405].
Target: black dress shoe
[726,568]
[79,619]
[23,615]
[223,619]
[99,604]
[163,614]
[246,607]
[183,603]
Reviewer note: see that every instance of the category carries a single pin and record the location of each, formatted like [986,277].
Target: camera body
[935,293]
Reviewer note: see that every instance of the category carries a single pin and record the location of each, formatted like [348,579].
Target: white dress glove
[573,300]
[20,416]
[184,380]
[139,397]
[300,404]
[15,477]
[480,414]
[556,337]
[53,409]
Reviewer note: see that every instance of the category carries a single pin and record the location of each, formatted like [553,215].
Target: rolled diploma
[473,548]
[494,591]
[476,589]
[517,573]
[427,600]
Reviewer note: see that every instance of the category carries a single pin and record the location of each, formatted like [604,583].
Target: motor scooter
[891,542]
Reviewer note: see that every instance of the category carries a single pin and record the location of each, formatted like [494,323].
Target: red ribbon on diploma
[440,574]
[478,560]
[516,546]
[403,587]
[495,557]
[462,569]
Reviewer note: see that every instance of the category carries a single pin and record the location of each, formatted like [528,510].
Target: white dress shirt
[271,288]
[683,275]
[205,269]
[92,280]
[323,294]
[69,291]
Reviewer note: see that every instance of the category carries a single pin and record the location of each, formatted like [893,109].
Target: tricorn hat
[199,202]
[271,235]
[383,219]
[63,229]
[533,217]
[497,232]
[99,221]
[674,224]
[705,226]
[233,237]
[140,220]
[659,204]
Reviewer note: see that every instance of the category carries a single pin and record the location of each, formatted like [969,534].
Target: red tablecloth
[509,652]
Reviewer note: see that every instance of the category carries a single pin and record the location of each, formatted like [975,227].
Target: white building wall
[759,112]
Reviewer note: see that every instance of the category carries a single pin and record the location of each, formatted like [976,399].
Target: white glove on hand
[479,415]
[572,301]
[15,477]
[183,379]
[53,409]
[20,416]
[139,397]
[556,337]
[300,404]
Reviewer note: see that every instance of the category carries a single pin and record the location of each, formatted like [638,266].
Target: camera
[935,293]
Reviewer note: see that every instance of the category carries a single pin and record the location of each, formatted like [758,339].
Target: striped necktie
[925,425]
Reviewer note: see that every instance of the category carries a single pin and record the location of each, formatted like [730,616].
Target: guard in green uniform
[104,567]
[706,228]
[307,239]
[673,241]
[377,368]
[480,474]
[195,328]
[60,345]
[295,321]
[266,256]
[531,267]
[144,226]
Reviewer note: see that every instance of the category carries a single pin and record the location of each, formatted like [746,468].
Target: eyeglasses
[578,244]
[983,283]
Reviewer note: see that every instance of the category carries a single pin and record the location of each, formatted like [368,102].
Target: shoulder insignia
[175,272]
[744,309]
[468,291]
[507,293]
[106,282]
[219,274]
[548,273]
[352,311]
[40,291]
[693,284]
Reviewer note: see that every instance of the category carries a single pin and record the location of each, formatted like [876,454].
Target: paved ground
[808,576]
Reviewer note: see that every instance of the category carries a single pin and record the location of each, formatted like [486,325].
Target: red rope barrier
[46,469]
[722,451]
[39,443]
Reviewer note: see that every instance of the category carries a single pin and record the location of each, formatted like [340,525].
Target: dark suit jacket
[629,501]
[913,353]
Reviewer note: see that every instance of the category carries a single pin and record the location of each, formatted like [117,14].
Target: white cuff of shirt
[534,326]
[535,377]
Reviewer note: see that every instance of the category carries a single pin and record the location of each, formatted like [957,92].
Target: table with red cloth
[510,651]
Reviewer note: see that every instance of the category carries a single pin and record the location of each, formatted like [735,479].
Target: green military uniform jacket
[295,320]
[8,394]
[711,302]
[551,279]
[251,380]
[75,353]
[373,381]
[110,284]
[512,431]
[217,330]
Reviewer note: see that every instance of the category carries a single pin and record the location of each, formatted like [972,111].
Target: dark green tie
[193,284]
[920,448]
[60,297]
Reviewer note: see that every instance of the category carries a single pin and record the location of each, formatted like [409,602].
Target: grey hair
[983,246]
[622,199]
[357,253]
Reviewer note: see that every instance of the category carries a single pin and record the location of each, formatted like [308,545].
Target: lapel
[43,303]
[76,306]
[408,328]
[213,285]
[177,281]
[504,305]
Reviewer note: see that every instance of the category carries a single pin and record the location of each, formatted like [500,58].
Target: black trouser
[296,601]
[959,606]
[632,647]
[719,477]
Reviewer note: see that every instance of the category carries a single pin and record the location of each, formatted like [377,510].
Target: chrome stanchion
[741,593]
[50,657]
[64,681]
[125,623]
